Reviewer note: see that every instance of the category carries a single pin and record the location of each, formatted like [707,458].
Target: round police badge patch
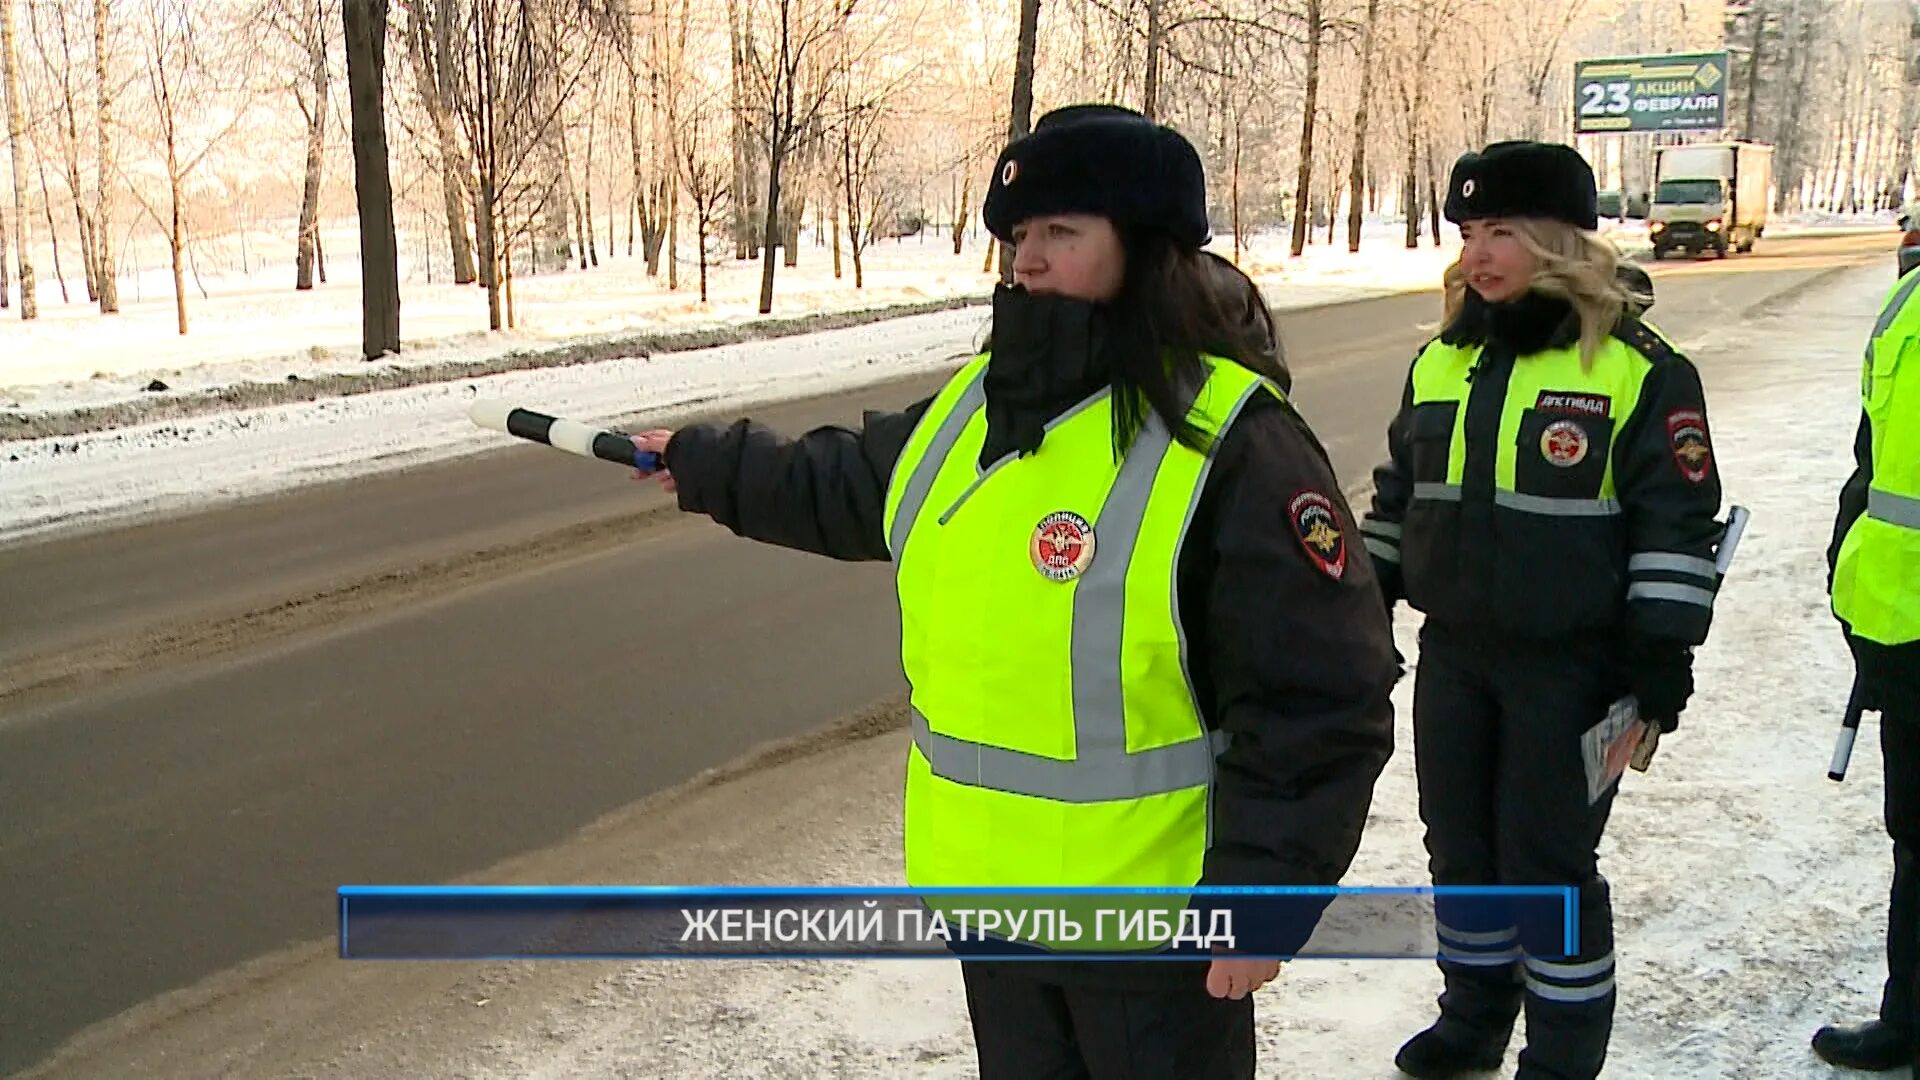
[1564,444]
[1062,546]
[1317,526]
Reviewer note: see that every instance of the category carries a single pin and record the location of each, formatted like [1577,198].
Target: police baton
[1849,727]
[561,434]
[1730,533]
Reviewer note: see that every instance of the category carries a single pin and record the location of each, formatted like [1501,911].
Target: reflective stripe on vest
[1876,579]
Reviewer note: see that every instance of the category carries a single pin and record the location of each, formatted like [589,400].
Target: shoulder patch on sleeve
[1687,439]
[1316,524]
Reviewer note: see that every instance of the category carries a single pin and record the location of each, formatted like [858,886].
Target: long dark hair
[1175,304]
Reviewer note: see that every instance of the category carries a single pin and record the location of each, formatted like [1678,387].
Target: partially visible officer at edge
[1874,565]
[1143,649]
[1549,502]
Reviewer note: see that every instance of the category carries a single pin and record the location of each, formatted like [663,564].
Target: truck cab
[1710,197]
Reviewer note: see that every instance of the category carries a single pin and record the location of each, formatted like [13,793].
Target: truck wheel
[1720,250]
[1659,253]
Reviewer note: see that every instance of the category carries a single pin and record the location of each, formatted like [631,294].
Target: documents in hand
[1608,746]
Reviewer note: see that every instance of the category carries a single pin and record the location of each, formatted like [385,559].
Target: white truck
[1710,197]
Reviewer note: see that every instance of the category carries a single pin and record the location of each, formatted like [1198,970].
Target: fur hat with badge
[1524,180]
[1104,160]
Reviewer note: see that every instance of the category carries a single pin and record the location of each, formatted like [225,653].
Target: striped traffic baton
[563,434]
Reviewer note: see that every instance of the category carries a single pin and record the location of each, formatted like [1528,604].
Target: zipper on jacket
[1486,403]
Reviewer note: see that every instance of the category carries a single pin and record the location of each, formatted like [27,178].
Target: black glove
[1660,674]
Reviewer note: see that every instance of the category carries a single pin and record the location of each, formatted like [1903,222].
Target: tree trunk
[700,227]
[431,57]
[742,212]
[53,234]
[1357,178]
[673,231]
[579,230]
[316,154]
[1433,199]
[176,240]
[106,272]
[790,221]
[320,256]
[772,236]
[6,275]
[1156,40]
[69,140]
[833,227]
[1304,185]
[1020,118]
[486,235]
[508,284]
[1410,186]
[1238,242]
[962,213]
[16,135]
[1756,48]
[593,251]
[366,30]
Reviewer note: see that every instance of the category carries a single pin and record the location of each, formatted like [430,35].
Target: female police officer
[1140,648]
[1549,503]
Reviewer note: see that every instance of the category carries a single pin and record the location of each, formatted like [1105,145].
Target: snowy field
[88,479]
[1750,891]
[254,328]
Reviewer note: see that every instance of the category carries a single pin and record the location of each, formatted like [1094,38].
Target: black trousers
[1900,747]
[1031,1024]
[1503,793]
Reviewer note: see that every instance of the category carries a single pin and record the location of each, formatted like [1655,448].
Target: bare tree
[1356,181]
[706,179]
[179,80]
[791,92]
[1020,113]
[67,128]
[366,29]
[430,45]
[16,139]
[106,272]
[303,25]
[512,80]
[1316,28]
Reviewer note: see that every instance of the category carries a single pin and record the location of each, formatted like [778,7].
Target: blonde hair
[1572,264]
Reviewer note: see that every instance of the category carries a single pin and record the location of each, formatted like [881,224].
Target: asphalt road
[208,723]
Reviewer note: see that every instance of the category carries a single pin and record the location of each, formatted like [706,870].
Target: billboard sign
[1682,92]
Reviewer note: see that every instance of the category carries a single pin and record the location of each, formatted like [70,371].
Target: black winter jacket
[1521,564]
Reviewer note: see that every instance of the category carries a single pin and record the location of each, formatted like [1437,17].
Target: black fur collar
[1531,324]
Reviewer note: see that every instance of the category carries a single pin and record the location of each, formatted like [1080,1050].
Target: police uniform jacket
[1291,654]
[1519,503]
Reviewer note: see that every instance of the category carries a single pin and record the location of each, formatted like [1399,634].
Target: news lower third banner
[501,922]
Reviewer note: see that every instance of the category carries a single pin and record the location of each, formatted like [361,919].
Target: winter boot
[1445,1050]
[1874,1046]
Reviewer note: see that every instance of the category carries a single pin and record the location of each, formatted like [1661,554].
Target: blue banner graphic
[413,922]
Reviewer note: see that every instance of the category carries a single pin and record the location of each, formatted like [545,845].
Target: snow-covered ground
[255,328]
[1750,891]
